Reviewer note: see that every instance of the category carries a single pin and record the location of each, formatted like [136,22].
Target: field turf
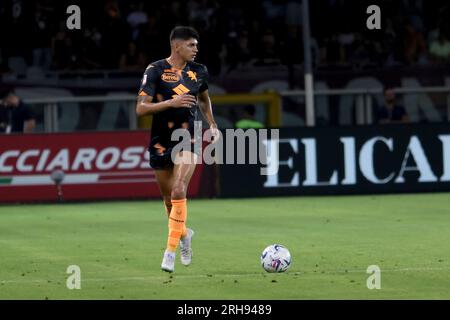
[119,246]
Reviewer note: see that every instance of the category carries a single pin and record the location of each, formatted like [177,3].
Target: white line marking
[217,276]
[127,173]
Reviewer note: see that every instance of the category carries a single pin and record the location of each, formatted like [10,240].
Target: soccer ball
[276,258]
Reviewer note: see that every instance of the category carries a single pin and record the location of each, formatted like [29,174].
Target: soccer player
[172,90]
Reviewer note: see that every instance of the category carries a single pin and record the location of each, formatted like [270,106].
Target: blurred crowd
[127,35]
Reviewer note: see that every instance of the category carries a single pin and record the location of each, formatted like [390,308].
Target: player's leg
[183,170]
[181,181]
[182,173]
[164,177]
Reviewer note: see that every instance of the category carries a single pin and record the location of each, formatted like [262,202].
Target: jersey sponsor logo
[170,77]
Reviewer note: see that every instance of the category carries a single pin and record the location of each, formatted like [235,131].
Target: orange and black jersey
[163,82]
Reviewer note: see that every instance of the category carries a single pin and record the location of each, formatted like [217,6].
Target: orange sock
[177,221]
[168,209]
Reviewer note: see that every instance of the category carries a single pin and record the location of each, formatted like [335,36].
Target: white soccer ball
[276,258]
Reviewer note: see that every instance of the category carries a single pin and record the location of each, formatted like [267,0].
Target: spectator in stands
[64,51]
[238,50]
[269,51]
[440,49]
[413,10]
[391,112]
[244,51]
[248,119]
[115,35]
[359,53]
[414,45]
[132,59]
[90,50]
[268,31]
[41,37]
[333,51]
[201,11]
[15,116]
[136,18]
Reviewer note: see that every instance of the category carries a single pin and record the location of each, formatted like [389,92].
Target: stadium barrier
[416,100]
[347,160]
[56,110]
[101,165]
[311,161]
[348,106]
[271,100]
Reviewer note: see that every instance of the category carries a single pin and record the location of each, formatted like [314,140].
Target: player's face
[188,49]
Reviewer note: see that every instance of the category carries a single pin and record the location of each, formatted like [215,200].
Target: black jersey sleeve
[149,81]
[204,79]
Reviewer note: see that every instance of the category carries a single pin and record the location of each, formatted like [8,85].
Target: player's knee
[168,204]
[167,201]
[178,191]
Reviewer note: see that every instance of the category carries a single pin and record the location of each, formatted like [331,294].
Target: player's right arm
[145,104]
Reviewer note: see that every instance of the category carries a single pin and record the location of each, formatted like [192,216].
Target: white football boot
[186,247]
[168,263]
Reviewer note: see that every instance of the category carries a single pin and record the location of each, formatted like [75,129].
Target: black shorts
[163,160]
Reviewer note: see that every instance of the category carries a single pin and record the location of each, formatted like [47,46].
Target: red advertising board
[101,165]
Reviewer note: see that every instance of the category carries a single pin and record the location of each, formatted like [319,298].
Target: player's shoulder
[156,65]
[197,67]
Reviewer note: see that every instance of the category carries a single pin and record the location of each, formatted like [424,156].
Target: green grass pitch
[119,246]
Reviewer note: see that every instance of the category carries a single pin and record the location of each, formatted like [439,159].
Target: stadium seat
[35,73]
[68,114]
[111,111]
[289,119]
[18,65]
[222,123]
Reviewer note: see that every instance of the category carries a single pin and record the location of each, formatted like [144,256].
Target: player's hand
[183,101]
[215,133]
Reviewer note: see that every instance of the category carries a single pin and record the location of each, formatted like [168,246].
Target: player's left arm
[204,103]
